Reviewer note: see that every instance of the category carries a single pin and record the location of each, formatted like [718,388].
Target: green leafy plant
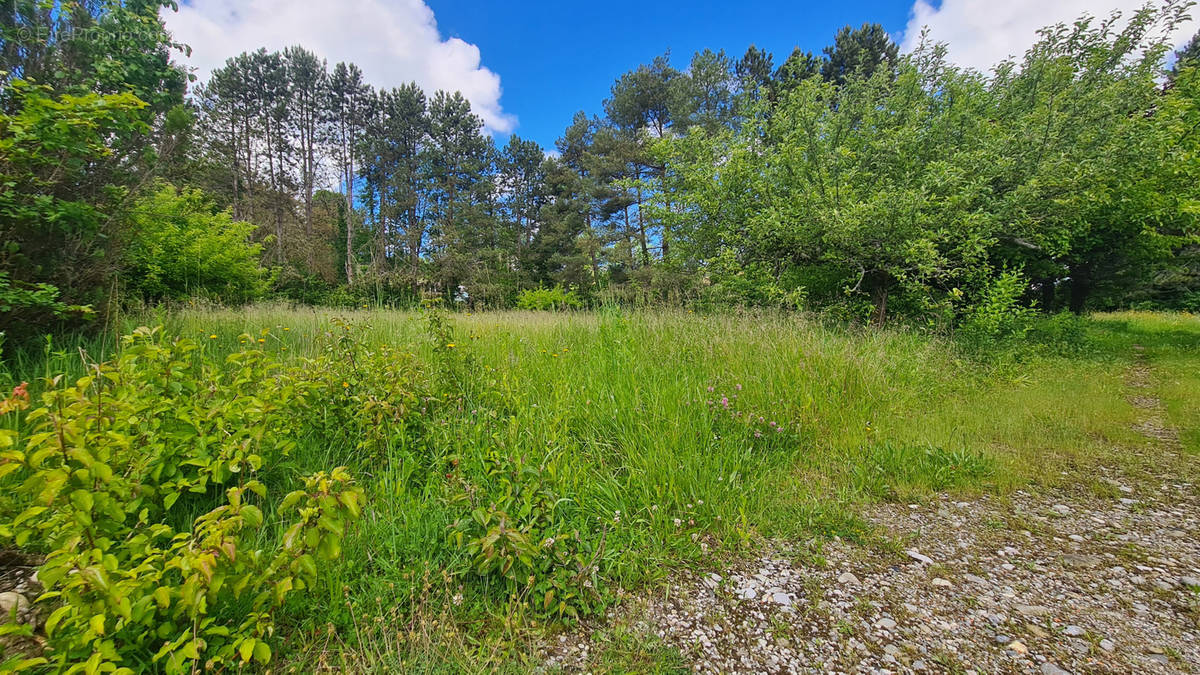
[516,530]
[180,245]
[548,299]
[102,470]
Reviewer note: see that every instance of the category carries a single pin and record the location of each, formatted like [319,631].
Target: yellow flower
[286,328]
[261,340]
[345,385]
[212,337]
[451,345]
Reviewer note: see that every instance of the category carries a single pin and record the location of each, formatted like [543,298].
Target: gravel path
[1050,582]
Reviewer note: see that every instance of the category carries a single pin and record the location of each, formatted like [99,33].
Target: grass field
[655,441]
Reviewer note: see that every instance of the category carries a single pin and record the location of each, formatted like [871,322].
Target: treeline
[426,204]
[858,181]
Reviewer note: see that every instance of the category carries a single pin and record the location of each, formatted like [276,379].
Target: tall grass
[674,439]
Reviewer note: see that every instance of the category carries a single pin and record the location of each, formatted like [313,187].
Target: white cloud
[393,41]
[981,33]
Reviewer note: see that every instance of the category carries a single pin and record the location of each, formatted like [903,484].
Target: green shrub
[34,304]
[180,245]
[548,299]
[64,162]
[999,315]
[106,474]
[514,528]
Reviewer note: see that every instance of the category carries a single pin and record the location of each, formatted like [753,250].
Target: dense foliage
[180,246]
[109,472]
[860,179]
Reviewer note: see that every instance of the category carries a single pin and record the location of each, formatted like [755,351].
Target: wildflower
[450,345]
[758,434]
[261,340]
[212,337]
[286,328]
[725,401]
[739,387]
[548,543]
[457,599]
[678,522]
[710,390]
[345,385]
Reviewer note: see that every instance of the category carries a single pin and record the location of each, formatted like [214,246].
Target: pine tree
[346,119]
[862,51]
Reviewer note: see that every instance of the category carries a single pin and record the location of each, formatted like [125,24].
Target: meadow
[519,471]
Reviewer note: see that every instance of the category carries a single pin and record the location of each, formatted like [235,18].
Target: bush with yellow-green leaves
[114,478]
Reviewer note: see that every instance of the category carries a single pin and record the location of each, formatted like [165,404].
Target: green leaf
[252,515]
[246,649]
[55,617]
[262,652]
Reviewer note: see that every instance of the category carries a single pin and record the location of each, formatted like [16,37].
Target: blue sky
[557,58]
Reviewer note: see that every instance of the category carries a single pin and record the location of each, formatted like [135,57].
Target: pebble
[1082,561]
[942,583]
[1107,645]
[1032,610]
[847,578]
[916,555]
[1074,631]
[1049,668]
[1018,647]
